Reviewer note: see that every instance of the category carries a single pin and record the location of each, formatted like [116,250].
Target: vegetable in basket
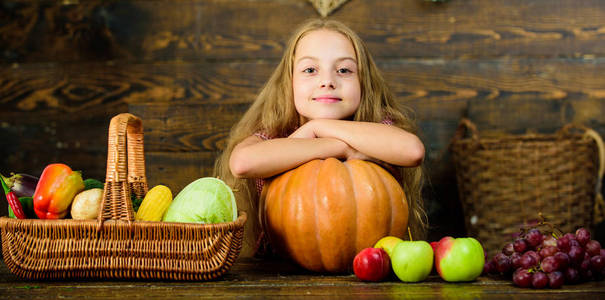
[13,201]
[92,183]
[136,202]
[27,204]
[155,204]
[207,200]
[56,190]
[23,185]
[86,204]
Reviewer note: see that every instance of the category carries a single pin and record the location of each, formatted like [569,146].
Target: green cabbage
[207,200]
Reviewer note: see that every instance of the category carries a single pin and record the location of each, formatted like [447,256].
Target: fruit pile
[455,259]
[542,259]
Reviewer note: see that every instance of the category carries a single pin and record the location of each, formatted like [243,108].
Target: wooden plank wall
[190,68]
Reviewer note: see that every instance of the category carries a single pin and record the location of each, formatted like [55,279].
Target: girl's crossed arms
[323,138]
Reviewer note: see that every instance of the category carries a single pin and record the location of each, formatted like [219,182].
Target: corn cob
[155,204]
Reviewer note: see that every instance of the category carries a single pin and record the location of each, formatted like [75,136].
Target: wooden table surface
[250,278]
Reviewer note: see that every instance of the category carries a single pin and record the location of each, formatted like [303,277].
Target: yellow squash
[155,204]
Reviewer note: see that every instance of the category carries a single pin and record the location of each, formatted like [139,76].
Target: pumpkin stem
[410,234]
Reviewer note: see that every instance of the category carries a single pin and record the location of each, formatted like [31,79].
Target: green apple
[412,261]
[460,259]
[388,243]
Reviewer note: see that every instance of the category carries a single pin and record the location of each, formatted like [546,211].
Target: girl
[325,99]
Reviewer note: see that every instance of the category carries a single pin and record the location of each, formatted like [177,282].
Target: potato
[86,204]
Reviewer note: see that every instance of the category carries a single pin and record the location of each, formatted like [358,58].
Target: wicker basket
[114,245]
[505,181]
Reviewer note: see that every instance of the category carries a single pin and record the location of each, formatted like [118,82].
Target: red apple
[372,264]
[460,259]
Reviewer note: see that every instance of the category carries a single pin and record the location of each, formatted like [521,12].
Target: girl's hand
[352,153]
[309,131]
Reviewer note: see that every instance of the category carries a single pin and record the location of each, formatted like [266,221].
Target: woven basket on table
[114,245]
[505,181]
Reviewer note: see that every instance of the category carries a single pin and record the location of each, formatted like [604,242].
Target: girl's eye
[343,70]
[309,70]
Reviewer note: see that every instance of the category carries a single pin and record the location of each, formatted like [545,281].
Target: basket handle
[599,205]
[125,169]
[464,125]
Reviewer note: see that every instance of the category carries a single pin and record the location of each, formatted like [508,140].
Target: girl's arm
[387,143]
[258,158]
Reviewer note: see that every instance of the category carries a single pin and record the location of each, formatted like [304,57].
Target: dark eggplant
[23,185]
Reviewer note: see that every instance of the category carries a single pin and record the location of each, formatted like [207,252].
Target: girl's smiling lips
[327,99]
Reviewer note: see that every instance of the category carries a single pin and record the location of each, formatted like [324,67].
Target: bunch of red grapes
[540,260]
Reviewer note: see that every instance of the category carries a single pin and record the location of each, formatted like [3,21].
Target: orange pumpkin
[324,212]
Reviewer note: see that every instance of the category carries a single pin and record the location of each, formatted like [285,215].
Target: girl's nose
[327,82]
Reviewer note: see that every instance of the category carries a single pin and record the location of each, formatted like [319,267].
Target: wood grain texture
[177,169]
[188,127]
[138,30]
[73,88]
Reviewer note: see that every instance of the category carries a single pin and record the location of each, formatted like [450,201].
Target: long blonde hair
[274,114]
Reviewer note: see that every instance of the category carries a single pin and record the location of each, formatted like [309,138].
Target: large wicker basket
[505,181]
[114,245]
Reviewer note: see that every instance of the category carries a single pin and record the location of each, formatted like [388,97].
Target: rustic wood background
[190,68]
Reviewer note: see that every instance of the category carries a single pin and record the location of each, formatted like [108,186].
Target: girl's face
[325,80]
